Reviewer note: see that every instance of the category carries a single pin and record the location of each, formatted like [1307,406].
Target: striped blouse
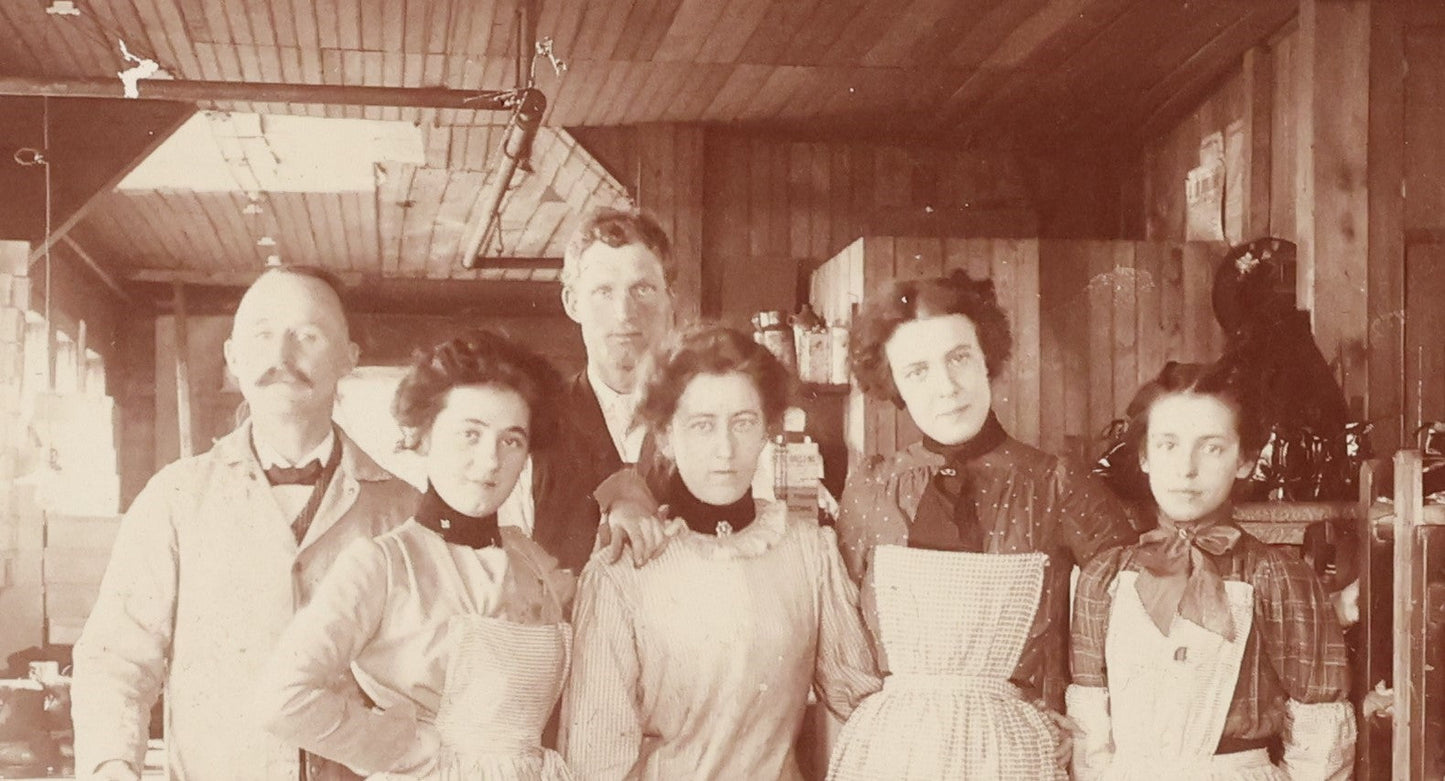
[698,665]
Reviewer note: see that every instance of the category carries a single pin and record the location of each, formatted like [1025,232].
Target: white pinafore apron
[952,627]
[1169,695]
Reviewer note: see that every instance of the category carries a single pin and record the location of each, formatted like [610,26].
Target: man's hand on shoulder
[631,525]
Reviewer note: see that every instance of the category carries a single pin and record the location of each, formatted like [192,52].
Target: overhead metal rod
[269,92]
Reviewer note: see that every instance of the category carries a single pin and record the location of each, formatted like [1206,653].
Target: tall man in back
[617,278]
[220,549]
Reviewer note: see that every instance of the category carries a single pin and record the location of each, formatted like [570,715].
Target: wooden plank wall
[1113,313]
[1258,94]
[770,207]
[1092,321]
[670,184]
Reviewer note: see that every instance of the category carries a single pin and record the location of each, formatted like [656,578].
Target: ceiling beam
[1010,56]
[1174,96]
[99,271]
[218,293]
[157,137]
[266,92]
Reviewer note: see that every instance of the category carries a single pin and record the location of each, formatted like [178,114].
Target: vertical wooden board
[783,268]
[1027,339]
[687,241]
[1004,273]
[759,178]
[1284,142]
[880,436]
[866,183]
[818,204]
[1387,173]
[1125,367]
[1072,264]
[1334,210]
[891,186]
[1101,343]
[1053,329]
[1203,339]
[821,292]
[1150,347]
[1424,326]
[842,227]
[855,281]
[916,257]
[800,195]
[725,233]
[1171,304]
[955,254]
[980,258]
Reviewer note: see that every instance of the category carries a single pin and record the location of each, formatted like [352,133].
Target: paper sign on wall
[1204,192]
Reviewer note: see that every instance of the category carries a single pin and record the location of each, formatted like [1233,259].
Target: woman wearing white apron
[963,545]
[453,626]
[1200,650]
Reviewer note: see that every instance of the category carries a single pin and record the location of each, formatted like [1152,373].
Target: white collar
[608,398]
[269,457]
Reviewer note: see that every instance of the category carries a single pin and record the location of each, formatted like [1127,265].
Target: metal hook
[29,155]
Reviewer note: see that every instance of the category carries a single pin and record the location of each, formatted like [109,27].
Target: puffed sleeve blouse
[1026,501]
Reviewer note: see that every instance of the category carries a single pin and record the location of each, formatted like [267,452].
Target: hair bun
[981,289]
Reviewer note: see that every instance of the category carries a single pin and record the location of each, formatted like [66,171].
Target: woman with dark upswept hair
[963,545]
[1201,650]
[453,625]
[699,664]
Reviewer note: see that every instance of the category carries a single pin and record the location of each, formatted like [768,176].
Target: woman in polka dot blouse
[963,546]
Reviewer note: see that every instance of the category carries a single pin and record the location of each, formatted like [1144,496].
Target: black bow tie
[306,474]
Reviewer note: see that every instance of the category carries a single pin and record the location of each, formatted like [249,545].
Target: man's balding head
[290,343]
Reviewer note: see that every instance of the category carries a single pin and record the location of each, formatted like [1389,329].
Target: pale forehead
[493,405]
[930,337]
[719,394]
[1192,415]
[291,298]
[630,261]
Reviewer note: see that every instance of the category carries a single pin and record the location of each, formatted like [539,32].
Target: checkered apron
[952,627]
[1169,695]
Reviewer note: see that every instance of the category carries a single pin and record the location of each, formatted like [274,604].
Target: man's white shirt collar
[619,411]
[269,457]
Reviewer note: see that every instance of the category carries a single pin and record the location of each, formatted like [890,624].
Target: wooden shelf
[1284,523]
[1382,513]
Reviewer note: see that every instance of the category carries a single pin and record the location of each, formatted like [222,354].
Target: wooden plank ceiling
[1044,74]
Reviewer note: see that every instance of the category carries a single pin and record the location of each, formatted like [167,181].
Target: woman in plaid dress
[963,545]
[1201,650]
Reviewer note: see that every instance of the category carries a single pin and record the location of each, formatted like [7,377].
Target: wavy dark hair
[479,357]
[713,349]
[618,228]
[1223,380]
[916,299]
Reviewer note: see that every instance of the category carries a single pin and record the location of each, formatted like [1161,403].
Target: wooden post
[1375,661]
[1409,622]
[1385,400]
[1258,113]
[1332,194]
[183,372]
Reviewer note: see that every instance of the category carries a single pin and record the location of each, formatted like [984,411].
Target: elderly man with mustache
[220,550]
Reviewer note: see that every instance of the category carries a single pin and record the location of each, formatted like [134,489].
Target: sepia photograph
[730,390]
